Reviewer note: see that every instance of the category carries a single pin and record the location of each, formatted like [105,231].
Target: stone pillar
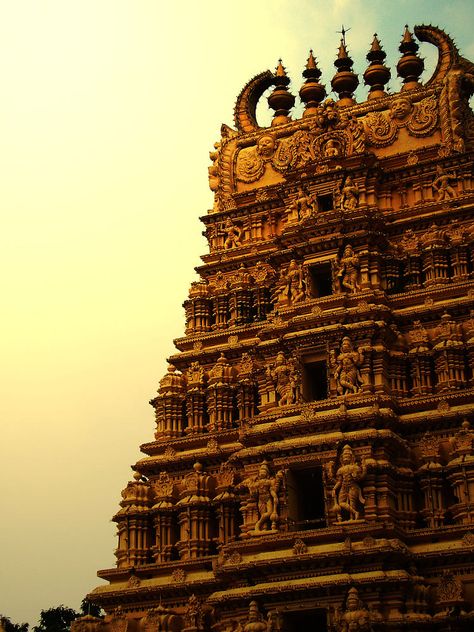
[220,391]
[460,471]
[196,399]
[164,518]
[169,405]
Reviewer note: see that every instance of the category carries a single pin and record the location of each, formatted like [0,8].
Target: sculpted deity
[264,489]
[400,109]
[356,617]
[348,497]
[346,271]
[232,234]
[346,368]
[291,287]
[441,184]
[332,149]
[286,379]
[304,205]
[349,195]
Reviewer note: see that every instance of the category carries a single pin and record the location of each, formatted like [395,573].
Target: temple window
[306,620]
[325,202]
[315,380]
[306,507]
[321,280]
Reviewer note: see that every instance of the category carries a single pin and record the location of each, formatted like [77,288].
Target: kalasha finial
[410,66]
[376,75]
[311,92]
[281,100]
[344,81]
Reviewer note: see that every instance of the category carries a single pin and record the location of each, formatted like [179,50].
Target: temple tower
[312,466]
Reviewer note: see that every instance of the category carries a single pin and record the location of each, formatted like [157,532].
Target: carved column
[164,518]
[226,504]
[420,357]
[220,301]
[196,399]
[133,523]
[460,470]
[198,309]
[219,398]
[195,515]
[169,405]
[240,302]
[435,256]
[263,275]
[430,476]
[449,355]
[459,250]
[246,388]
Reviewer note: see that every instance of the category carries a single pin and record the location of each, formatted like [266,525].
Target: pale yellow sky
[108,109]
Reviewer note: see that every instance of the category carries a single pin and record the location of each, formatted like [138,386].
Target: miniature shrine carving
[355,617]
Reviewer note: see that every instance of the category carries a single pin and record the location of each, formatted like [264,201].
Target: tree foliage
[57,619]
[8,626]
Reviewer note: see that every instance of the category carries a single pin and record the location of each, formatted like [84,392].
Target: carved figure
[356,617]
[252,160]
[286,379]
[349,195]
[347,492]
[331,149]
[346,271]
[232,234]
[291,286]
[264,489]
[346,368]
[304,205]
[400,108]
[255,621]
[441,184]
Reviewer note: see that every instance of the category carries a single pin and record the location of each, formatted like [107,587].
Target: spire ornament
[281,100]
[344,81]
[311,92]
[376,75]
[410,65]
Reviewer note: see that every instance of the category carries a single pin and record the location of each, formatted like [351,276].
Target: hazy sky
[108,110]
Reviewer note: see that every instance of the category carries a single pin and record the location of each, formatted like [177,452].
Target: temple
[313,461]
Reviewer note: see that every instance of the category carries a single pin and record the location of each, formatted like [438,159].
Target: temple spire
[410,65]
[281,100]
[377,74]
[311,92]
[344,81]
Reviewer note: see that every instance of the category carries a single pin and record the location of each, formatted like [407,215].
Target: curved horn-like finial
[448,54]
[245,118]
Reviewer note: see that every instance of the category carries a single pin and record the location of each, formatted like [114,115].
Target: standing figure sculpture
[264,490]
[291,286]
[286,379]
[349,195]
[346,271]
[347,492]
[304,205]
[356,617]
[441,184]
[346,368]
[232,234]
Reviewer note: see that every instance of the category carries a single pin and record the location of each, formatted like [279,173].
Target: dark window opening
[315,381]
[321,280]
[306,507]
[325,202]
[306,621]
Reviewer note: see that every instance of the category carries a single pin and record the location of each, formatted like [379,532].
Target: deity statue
[304,205]
[331,149]
[286,379]
[347,492]
[400,108]
[291,286]
[255,621]
[441,184]
[252,161]
[349,195]
[346,367]
[346,271]
[264,489]
[356,617]
[232,234]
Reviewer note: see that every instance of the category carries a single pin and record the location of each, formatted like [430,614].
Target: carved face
[348,252]
[400,109]
[347,457]
[266,146]
[346,345]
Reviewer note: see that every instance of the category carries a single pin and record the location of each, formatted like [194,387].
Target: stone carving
[194,614]
[291,286]
[178,575]
[251,161]
[299,547]
[346,368]
[232,235]
[345,271]
[441,184]
[355,617]
[349,197]
[255,621]
[450,589]
[264,488]
[348,497]
[302,207]
[468,539]
[286,378]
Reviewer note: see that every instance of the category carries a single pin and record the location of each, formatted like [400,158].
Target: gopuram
[313,462]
